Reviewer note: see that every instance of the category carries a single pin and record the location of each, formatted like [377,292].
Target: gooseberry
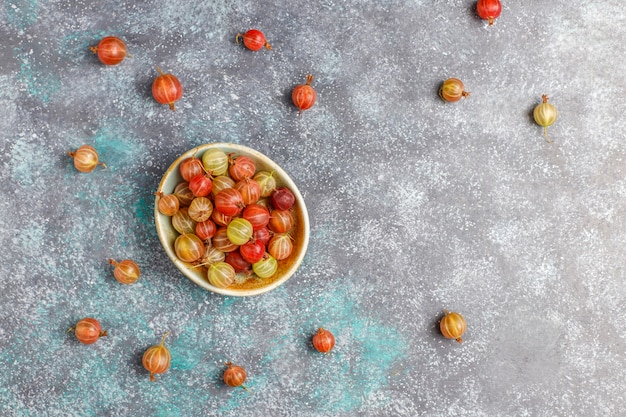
[253,39]
[452,90]
[280,246]
[111,50]
[452,326]
[188,247]
[182,222]
[266,267]
[126,271]
[303,95]
[212,255]
[282,198]
[183,193]
[220,219]
[215,161]
[221,274]
[281,221]
[168,204]
[237,261]
[266,181]
[257,215]
[221,241]
[239,231]
[488,9]
[252,251]
[167,89]
[262,235]
[220,183]
[86,158]
[156,359]
[545,115]
[234,376]
[201,185]
[88,330]
[250,190]
[323,340]
[229,202]
[241,167]
[205,230]
[191,167]
[200,209]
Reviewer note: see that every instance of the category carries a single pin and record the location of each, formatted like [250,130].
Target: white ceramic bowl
[286,267]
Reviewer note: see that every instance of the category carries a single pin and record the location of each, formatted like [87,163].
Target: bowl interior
[252,286]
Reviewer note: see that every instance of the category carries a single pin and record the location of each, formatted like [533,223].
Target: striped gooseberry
[215,161]
[183,193]
[220,183]
[250,190]
[266,267]
[168,204]
[253,39]
[262,235]
[452,326]
[87,330]
[280,246]
[220,219]
[167,89]
[221,274]
[182,222]
[266,181]
[201,185]
[211,255]
[229,202]
[200,209]
[156,359]
[126,271]
[190,167]
[221,241]
[188,247]
[241,167]
[303,95]
[257,215]
[237,261]
[239,231]
[252,251]
[323,340]
[234,376]
[86,158]
[282,198]
[206,230]
[452,90]
[281,221]
[111,50]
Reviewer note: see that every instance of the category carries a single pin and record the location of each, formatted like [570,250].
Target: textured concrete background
[416,206]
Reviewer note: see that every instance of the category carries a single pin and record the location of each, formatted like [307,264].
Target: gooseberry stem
[545,134]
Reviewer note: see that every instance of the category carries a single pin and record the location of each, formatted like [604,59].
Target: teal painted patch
[363,358]
[22,13]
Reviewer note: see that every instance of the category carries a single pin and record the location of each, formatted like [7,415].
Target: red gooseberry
[250,190]
[111,50]
[88,330]
[282,198]
[191,167]
[262,235]
[488,9]
[323,340]
[281,221]
[241,167]
[303,95]
[201,185]
[206,230]
[253,39]
[252,251]
[236,260]
[229,202]
[257,215]
[167,89]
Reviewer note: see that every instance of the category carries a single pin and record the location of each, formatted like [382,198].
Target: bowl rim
[159,219]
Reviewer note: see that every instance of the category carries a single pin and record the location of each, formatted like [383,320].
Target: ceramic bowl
[243,287]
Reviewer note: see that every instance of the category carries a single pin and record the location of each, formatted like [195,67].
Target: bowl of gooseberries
[231,220]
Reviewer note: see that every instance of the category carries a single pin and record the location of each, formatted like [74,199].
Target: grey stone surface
[416,206]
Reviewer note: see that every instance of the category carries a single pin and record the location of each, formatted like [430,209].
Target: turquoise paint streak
[353,373]
[22,13]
